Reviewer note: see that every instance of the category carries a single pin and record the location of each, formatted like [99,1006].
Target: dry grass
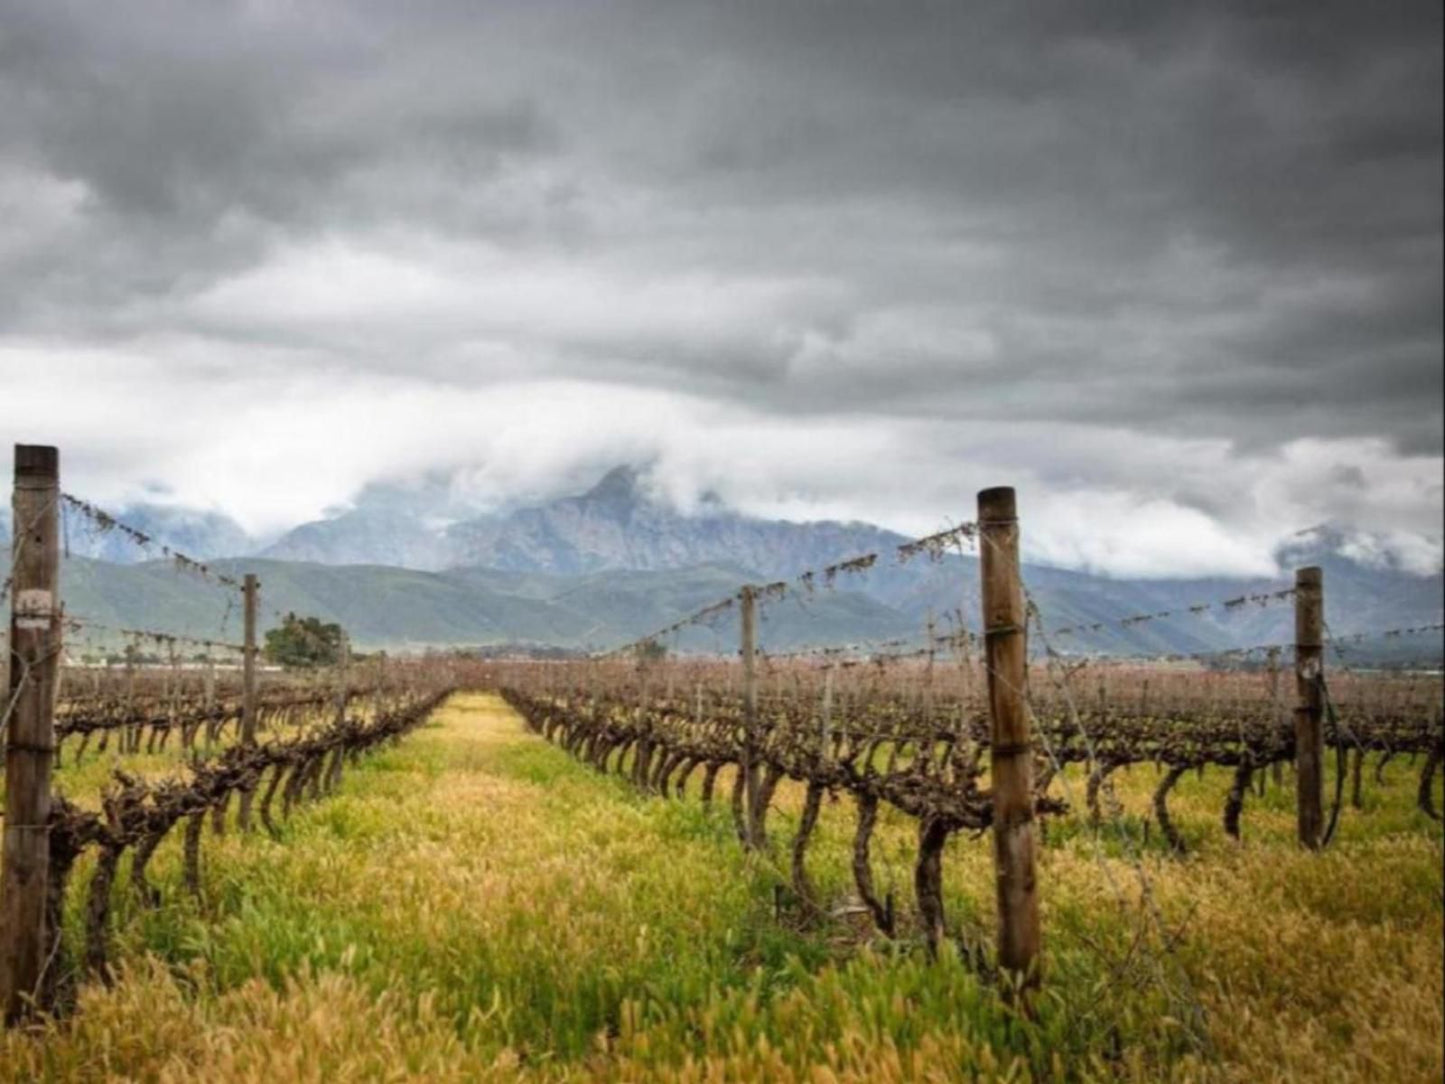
[476,906]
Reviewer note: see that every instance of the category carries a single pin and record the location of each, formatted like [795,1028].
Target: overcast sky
[1174,271]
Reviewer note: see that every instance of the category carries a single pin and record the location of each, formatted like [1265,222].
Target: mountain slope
[400,608]
[363,537]
[614,563]
[616,524]
[204,535]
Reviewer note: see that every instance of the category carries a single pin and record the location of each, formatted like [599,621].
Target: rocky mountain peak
[620,488]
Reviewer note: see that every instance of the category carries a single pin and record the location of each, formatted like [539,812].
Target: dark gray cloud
[1197,222]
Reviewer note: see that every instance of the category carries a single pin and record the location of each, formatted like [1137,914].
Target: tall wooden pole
[1006,647]
[35,645]
[250,588]
[343,676]
[250,592]
[928,674]
[1309,611]
[827,742]
[748,624]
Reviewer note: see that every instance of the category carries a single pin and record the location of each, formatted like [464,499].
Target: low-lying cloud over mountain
[623,521]
[407,609]
[618,561]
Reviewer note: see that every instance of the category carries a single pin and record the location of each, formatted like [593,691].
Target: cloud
[1168,263]
[285,445]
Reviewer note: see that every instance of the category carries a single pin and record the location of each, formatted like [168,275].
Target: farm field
[474,904]
[722,543]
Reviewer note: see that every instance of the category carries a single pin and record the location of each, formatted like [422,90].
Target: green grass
[476,905]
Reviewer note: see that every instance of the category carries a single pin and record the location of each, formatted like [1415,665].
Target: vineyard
[744,865]
[918,739]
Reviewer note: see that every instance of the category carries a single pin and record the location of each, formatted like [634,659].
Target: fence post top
[37,461]
[1310,576]
[999,502]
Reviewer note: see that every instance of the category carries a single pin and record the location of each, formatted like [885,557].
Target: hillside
[401,608]
[616,562]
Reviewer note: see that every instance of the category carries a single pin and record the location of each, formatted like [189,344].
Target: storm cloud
[1173,269]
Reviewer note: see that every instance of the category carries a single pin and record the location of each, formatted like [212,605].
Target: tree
[304,643]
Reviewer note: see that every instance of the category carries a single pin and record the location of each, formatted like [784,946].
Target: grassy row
[475,905]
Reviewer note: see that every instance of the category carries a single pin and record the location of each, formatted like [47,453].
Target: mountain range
[617,524]
[616,562]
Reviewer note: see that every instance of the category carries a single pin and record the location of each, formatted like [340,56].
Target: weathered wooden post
[1011,749]
[209,698]
[250,591]
[343,676]
[748,624]
[928,672]
[642,759]
[1309,608]
[35,645]
[827,742]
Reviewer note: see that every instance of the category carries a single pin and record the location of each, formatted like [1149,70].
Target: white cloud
[278,444]
[393,294]
[49,207]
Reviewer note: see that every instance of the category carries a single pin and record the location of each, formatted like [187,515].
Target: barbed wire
[879,651]
[934,545]
[1198,609]
[1388,634]
[76,624]
[1336,643]
[106,522]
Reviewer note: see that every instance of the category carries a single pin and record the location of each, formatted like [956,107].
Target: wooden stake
[1309,608]
[1006,646]
[928,673]
[343,676]
[748,623]
[250,590]
[827,743]
[35,646]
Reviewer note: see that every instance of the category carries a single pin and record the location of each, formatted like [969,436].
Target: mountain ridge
[620,522]
[409,609]
[615,562]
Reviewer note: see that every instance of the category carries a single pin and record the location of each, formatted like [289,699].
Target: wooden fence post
[928,673]
[827,743]
[343,676]
[35,645]
[748,626]
[1011,747]
[250,590]
[1309,608]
